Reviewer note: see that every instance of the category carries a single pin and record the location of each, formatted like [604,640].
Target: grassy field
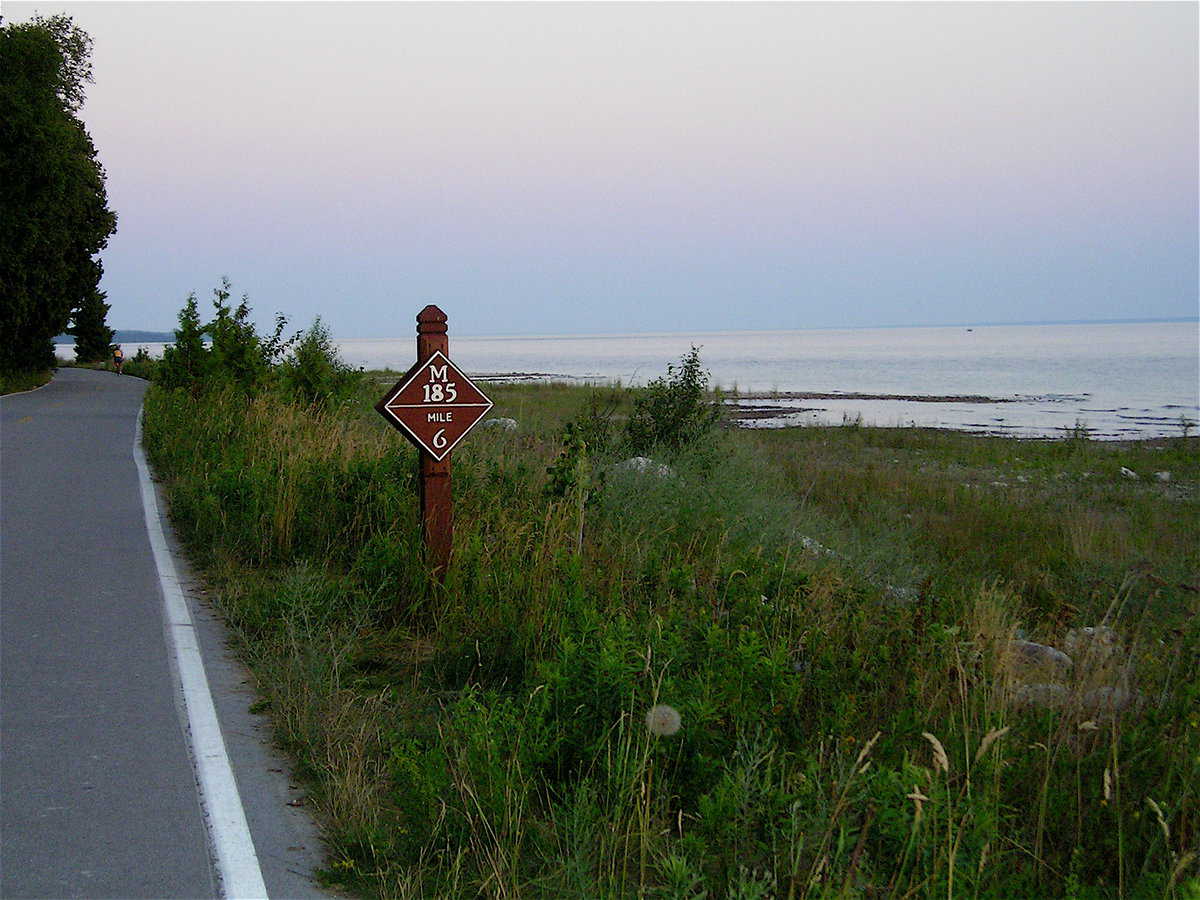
[800,663]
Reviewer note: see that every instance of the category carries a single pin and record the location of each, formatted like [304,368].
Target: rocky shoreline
[839,395]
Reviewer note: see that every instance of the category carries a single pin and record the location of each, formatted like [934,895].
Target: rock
[1099,656]
[1163,476]
[1095,643]
[900,594]
[814,546]
[1040,695]
[1109,699]
[644,465]
[1129,473]
[1024,656]
[502,423]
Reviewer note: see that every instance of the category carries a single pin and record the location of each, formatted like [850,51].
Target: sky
[562,168]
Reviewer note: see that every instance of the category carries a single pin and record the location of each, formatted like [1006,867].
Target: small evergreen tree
[314,371]
[93,337]
[238,353]
[187,362]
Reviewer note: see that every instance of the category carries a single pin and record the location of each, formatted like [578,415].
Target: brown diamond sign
[435,406]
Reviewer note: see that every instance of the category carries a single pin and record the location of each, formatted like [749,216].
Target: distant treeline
[128,337]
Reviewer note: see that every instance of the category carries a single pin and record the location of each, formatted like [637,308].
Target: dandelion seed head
[662,720]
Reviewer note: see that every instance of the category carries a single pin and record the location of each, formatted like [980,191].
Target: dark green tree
[187,362]
[93,337]
[54,215]
[237,350]
[314,371]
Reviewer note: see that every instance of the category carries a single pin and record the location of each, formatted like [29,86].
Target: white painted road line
[237,861]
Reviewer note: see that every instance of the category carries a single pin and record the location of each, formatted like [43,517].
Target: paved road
[98,794]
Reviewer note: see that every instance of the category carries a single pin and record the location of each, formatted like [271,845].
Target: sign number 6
[439,439]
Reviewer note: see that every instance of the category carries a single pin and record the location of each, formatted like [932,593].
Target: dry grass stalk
[918,799]
[988,739]
[940,759]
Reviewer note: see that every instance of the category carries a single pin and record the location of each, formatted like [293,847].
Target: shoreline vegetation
[672,659]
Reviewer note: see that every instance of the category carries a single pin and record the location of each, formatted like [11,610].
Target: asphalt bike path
[107,762]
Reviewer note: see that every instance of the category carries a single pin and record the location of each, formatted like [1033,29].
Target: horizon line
[532,334]
[968,324]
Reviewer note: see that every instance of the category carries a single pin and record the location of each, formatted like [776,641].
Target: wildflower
[662,720]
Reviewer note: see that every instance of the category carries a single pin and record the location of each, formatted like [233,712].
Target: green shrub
[238,354]
[142,365]
[314,372]
[675,411]
[186,363]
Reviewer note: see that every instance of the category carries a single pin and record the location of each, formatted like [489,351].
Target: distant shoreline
[591,335]
[121,336]
[133,336]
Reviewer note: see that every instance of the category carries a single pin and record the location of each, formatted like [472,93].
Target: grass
[829,611]
[16,382]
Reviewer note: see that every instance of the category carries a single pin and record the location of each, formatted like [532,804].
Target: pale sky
[556,168]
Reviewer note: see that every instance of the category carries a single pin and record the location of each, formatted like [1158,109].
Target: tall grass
[17,382]
[831,613]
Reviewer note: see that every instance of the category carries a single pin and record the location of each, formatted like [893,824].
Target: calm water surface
[1119,380]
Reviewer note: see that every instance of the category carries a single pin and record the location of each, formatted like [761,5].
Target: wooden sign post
[437,497]
[435,405]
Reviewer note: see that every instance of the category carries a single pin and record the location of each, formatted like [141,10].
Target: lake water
[1119,380]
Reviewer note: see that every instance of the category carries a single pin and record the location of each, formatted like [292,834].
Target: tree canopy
[54,215]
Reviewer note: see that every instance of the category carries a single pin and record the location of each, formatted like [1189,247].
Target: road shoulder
[286,838]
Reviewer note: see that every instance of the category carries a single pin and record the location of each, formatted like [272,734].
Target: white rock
[901,594]
[644,465]
[1129,473]
[814,546]
[501,422]
[1163,476]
